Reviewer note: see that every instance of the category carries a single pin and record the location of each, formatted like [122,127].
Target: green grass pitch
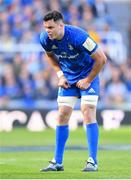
[113,164]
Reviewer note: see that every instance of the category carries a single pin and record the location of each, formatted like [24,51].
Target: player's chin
[51,37]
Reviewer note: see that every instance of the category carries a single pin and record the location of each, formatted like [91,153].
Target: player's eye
[51,27]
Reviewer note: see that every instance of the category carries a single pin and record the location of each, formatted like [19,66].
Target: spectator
[20,23]
[116,90]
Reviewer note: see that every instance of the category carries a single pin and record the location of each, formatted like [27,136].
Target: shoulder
[45,41]
[76,34]
[75,29]
[81,39]
[43,37]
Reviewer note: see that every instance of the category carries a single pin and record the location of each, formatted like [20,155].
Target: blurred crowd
[26,76]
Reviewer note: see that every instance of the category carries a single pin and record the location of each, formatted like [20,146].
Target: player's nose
[48,30]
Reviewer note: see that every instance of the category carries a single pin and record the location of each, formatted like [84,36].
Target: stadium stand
[26,79]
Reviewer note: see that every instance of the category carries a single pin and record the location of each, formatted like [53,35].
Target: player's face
[54,29]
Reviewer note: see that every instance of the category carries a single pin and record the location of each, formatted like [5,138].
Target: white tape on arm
[59,74]
[89,44]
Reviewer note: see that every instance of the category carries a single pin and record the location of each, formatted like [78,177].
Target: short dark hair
[55,15]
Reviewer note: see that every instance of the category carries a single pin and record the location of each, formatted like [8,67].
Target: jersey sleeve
[44,41]
[85,43]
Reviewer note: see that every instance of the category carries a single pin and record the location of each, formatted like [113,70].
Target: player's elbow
[103,60]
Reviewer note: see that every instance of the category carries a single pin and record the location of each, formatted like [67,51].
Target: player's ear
[61,23]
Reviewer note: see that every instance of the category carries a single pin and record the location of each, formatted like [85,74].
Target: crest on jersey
[89,44]
[70,47]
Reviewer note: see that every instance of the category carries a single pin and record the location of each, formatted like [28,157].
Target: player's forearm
[52,59]
[100,59]
[95,71]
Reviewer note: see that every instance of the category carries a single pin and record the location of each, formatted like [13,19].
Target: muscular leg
[89,113]
[66,105]
[92,133]
[62,132]
[64,114]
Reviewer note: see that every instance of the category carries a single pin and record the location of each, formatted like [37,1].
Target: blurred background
[27,82]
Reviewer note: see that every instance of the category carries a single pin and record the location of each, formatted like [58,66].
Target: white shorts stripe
[67,101]
[89,99]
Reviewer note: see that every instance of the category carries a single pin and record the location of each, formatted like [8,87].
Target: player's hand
[63,82]
[83,84]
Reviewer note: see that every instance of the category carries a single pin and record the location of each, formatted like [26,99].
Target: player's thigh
[66,102]
[68,97]
[90,95]
[89,100]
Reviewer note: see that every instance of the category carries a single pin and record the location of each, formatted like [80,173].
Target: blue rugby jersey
[73,52]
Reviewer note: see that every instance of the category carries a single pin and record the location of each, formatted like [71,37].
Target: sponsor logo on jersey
[70,47]
[89,44]
[65,55]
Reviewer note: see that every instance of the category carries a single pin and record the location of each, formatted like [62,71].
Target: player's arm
[97,55]
[52,59]
[100,59]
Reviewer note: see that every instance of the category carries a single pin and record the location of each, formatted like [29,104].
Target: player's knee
[89,113]
[63,118]
[64,114]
